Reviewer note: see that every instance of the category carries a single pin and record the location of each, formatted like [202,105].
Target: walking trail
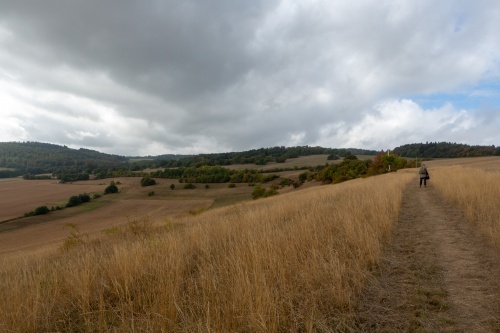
[438,274]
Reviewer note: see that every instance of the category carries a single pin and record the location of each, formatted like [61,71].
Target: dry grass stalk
[476,192]
[290,263]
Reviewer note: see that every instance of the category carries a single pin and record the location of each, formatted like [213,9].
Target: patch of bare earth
[438,275]
[113,215]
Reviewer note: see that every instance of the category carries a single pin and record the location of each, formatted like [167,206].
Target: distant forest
[20,158]
[33,159]
[444,150]
[29,159]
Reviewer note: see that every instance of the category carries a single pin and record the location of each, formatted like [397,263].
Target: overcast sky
[154,77]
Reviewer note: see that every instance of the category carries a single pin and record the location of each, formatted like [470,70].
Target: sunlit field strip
[476,193]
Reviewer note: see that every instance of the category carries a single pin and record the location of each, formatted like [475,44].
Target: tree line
[34,158]
[445,150]
[39,158]
[351,167]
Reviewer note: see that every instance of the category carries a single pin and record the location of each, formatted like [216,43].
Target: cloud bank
[153,77]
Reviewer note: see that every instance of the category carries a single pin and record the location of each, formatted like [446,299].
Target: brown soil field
[20,196]
[115,214]
[108,211]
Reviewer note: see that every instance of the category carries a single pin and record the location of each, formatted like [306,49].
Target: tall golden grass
[476,193]
[291,263]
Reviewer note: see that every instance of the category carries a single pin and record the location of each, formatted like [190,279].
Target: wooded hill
[35,158]
[32,158]
[259,156]
[39,158]
[444,150]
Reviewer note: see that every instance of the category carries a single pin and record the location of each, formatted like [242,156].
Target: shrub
[42,210]
[350,158]
[78,199]
[84,197]
[304,176]
[286,182]
[73,201]
[260,192]
[332,157]
[172,186]
[147,181]
[232,185]
[269,178]
[112,188]
[189,186]
[150,194]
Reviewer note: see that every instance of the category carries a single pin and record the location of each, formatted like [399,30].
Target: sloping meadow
[475,191]
[290,263]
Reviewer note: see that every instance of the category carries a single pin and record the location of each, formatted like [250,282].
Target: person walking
[424,174]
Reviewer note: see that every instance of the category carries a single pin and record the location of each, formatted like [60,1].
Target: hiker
[424,175]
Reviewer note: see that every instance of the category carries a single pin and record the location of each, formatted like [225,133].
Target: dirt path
[439,274]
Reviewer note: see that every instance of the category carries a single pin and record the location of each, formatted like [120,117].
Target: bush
[150,194]
[74,201]
[84,197]
[286,182]
[78,199]
[42,210]
[189,186]
[260,192]
[112,188]
[232,185]
[147,181]
[172,187]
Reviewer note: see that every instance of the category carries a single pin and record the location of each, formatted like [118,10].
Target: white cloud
[396,122]
[203,77]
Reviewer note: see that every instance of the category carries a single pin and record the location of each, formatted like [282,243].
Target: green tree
[147,181]
[112,188]
[42,210]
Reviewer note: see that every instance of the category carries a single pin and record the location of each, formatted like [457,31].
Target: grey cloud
[240,75]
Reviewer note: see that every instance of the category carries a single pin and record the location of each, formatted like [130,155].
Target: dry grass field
[293,262]
[132,203]
[297,262]
[441,271]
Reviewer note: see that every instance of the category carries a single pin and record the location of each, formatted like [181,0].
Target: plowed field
[114,214]
[20,196]
[132,203]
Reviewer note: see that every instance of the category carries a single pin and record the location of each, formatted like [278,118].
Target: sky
[155,77]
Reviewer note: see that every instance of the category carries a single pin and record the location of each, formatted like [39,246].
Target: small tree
[112,188]
[147,181]
[42,210]
[172,186]
[74,201]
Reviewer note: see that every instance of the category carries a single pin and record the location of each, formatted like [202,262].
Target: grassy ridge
[295,262]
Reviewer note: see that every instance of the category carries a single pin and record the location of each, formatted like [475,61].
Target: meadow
[296,262]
